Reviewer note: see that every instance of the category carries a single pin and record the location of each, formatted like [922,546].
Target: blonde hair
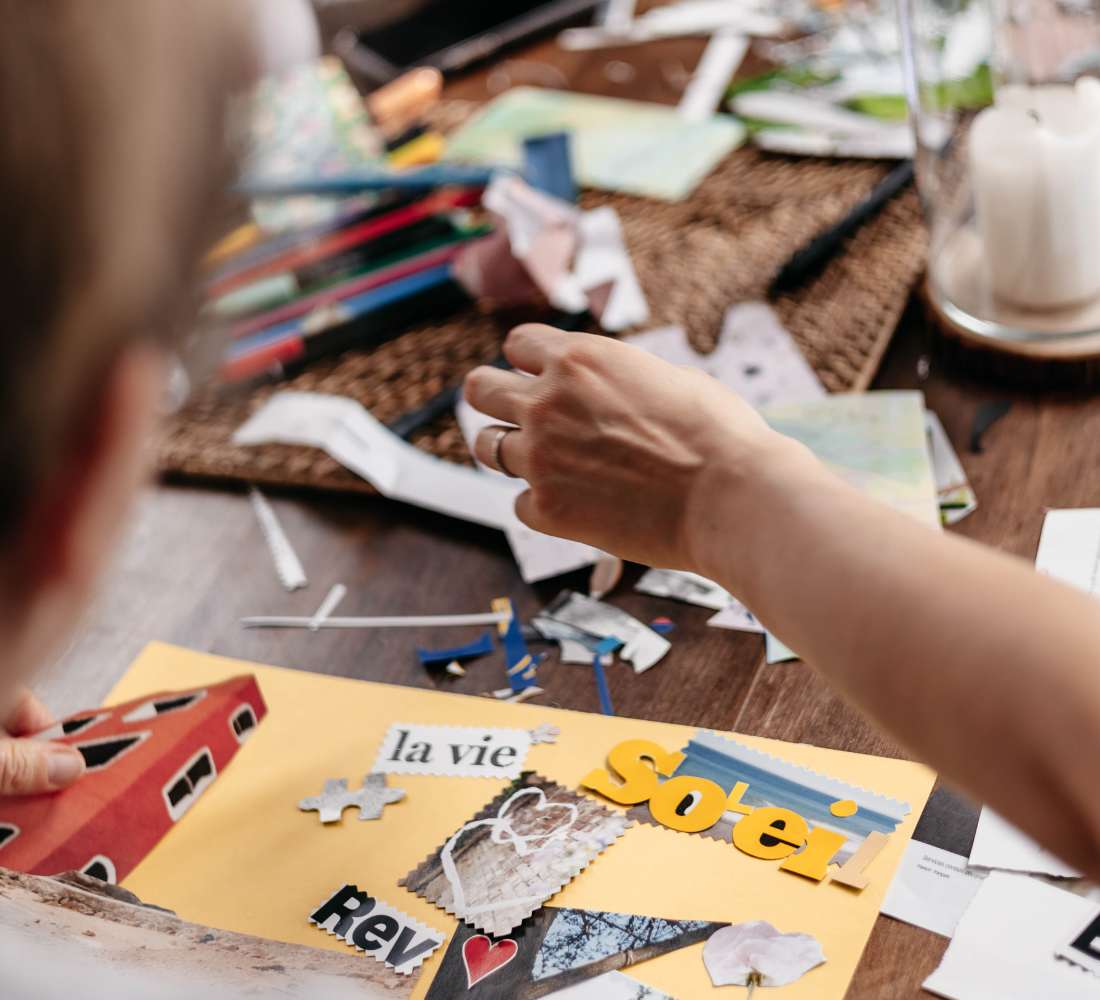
[114,161]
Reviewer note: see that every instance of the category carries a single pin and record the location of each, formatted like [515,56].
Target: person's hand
[621,450]
[30,766]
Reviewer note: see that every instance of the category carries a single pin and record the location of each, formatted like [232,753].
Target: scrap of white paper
[453,751]
[1005,946]
[777,651]
[539,556]
[689,17]
[888,143]
[641,645]
[288,567]
[755,357]
[717,66]
[346,431]
[736,617]
[680,585]
[998,844]
[786,108]
[1081,944]
[957,499]
[1069,549]
[602,259]
[932,888]
[328,605]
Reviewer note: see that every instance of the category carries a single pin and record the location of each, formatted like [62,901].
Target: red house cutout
[148,762]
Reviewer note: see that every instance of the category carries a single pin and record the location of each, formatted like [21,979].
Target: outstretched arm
[984,668]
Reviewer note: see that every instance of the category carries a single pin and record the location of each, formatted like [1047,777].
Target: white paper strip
[717,66]
[383,621]
[328,605]
[288,566]
[998,844]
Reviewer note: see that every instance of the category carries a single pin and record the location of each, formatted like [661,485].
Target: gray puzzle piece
[371,798]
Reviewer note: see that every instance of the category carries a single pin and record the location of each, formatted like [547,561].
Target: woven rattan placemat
[694,259]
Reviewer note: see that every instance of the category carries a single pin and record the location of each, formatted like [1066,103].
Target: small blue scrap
[479,647]
[608,645]
[662,625]
[520,663]
[548,165]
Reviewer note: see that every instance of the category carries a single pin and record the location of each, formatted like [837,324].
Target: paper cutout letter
[383,931]
[639,781]
[371,798]
[770,833]
[149,761]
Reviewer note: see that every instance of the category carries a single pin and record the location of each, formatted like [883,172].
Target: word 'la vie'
[691,804]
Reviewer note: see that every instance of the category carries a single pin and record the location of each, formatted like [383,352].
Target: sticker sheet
[516,853]
[458,751]
[556,950]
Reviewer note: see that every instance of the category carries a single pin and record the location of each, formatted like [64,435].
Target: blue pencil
[339,185]
[601,685]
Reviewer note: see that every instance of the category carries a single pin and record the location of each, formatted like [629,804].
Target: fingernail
[63,767]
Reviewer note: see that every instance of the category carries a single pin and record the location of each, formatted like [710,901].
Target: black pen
[810,259]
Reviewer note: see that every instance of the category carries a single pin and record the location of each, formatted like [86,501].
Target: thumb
[28,767]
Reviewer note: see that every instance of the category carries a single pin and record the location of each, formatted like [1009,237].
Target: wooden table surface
[195,560]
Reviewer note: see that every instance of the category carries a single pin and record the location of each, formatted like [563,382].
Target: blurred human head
[114,161]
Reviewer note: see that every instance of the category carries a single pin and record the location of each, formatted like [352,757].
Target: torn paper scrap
[1007,942]
[680,585]
[773,781]
[998,844]
[370,799]
[377,621]
[755,952]
[609,986]
[933,884]
[1069,548]
[777,651]
[288,567]
[328,605]
[957,498]
[574,644]
[453,751]
[557,951]
[755,356]
[641,645]
[540,556]
[737,617]
[343,428]
[384,932]
[1083,945]
[517,852]
[148,761]
[887,142]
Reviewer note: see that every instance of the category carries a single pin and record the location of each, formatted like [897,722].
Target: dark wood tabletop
[195,561]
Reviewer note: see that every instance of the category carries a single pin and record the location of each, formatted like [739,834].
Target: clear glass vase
[1005,101]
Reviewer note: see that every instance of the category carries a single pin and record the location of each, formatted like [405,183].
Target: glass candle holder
[1005,103]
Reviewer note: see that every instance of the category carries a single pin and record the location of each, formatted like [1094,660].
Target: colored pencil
[423,178]
[346,239]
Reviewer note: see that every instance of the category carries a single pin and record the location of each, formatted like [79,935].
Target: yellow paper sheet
[246,859]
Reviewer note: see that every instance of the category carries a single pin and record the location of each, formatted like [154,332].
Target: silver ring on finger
[498,459]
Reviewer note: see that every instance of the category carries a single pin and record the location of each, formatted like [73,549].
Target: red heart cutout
[483,958]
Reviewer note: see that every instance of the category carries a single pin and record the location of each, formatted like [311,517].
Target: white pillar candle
[1035,170]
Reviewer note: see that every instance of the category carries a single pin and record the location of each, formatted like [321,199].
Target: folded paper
[456,751]
[148,762]
[382,931]
[516,853]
